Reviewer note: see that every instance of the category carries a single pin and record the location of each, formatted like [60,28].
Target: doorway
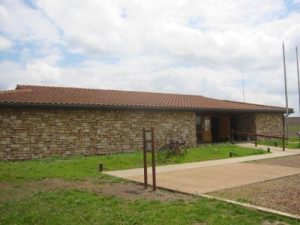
[215,121]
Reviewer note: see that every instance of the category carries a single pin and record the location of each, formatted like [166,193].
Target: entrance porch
[213,128]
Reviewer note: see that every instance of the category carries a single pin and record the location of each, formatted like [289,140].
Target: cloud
[98,27]
[150,74]
[4,43]
[188,46]
[23,23]
[33,73]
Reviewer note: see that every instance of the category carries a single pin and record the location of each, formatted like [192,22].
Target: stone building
[38,121]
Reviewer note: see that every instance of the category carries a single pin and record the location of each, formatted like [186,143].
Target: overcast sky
[198,47]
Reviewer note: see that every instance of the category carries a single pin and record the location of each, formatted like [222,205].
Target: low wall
[35,133]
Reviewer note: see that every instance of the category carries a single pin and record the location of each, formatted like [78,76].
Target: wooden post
[100,167]
[153,160]
[145,159]
[255,136]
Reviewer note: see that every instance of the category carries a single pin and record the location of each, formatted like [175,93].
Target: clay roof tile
[83,97]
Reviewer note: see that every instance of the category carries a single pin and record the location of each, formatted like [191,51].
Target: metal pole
[283,135]
[153,160]
[145,159]
[286,94]
[298,77]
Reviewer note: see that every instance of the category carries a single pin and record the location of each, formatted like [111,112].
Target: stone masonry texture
[37,133]
[269,123]
[261,123]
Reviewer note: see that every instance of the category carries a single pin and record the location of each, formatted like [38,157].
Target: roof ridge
[95,89]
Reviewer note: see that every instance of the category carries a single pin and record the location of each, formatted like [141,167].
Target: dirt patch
[289,161]
[281,194]
[126,190]
[135,191]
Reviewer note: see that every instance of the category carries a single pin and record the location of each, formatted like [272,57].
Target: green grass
[292,143]
[208,152]
[79,167]
[78,206]
[82,207]
[293,129]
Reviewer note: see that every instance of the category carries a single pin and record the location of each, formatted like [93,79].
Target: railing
[255,135]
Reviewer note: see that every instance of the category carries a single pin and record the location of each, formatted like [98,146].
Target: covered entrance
[216,127]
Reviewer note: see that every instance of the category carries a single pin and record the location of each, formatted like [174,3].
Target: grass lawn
[82,207]
[77,167]
[293,129]
[72,191]
[292,143]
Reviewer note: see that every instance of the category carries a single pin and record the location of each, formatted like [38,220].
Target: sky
[206,47]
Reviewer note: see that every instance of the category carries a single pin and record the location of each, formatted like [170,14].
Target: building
[38,121]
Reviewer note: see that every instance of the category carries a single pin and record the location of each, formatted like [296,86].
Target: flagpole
[286,94]
[298,77]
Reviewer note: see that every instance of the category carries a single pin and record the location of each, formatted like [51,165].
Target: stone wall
[261,123]
[246,122]
[269,123]
[35,133]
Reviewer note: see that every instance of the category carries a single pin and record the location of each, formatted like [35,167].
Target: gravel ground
[289,161]
[282,194]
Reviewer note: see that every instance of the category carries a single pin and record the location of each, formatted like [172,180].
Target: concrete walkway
[215,175]
[275,152]
[204,177]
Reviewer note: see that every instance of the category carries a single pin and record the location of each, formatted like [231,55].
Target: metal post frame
[145,159]
[146,142]
[153,160]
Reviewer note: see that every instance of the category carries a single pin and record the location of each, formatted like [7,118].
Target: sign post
[148,139]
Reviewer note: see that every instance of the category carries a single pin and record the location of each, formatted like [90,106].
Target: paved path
[214,175]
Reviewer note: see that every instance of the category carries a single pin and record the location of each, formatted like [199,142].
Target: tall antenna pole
[286,94]
[243,81]
[244,89]
[298,77]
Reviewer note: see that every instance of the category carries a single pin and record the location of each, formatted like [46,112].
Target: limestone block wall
[269,123]
[261,123]
[35,133]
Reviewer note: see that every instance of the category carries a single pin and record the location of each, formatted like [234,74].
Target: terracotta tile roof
[80,97]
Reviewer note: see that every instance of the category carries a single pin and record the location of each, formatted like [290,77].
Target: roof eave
[91,106]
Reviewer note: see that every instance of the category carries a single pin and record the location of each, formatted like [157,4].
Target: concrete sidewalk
[275,152]
[201,178]
[216,178]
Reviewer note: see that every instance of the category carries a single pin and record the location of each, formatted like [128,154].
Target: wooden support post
[145,159]
[255,136]
[283,143]
[153,160]
[148,136]
[100,167]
